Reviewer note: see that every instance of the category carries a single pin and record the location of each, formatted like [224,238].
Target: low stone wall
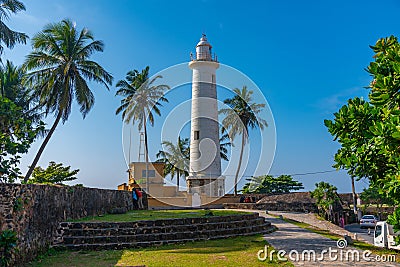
[35,211]
[295,207]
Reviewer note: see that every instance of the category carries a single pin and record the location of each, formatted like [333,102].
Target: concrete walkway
[311,219]
[290,237]
[361,233]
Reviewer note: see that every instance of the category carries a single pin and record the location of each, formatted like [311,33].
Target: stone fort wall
[35,211]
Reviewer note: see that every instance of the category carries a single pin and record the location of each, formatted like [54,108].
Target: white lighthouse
[205,160]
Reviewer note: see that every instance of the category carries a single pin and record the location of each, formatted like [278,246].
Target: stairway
[103,235]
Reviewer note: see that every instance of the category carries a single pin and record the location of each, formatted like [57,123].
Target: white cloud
[332,103]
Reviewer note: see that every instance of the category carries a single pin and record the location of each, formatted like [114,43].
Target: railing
[203,57]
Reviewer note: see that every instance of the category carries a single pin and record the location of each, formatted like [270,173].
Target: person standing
[135,199]
[140,198]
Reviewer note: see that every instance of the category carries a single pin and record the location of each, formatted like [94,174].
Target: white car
[368,221]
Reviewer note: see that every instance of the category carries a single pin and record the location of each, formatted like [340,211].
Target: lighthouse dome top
[203,51]
[203,41]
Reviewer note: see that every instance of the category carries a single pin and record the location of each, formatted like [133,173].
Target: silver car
[368,221]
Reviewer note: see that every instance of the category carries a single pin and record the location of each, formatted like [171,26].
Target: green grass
[238,251]
[358,244]
[139,215]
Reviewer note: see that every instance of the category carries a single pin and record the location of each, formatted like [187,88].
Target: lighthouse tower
[205,160]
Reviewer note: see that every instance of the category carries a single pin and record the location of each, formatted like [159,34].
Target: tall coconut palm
[176,158]
[58,68]
[224,143]
[142,97]
[242,115]
[9,37]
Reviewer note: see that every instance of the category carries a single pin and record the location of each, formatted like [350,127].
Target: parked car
[384,236]
[368,221]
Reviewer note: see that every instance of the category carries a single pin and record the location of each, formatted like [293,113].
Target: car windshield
[371,217]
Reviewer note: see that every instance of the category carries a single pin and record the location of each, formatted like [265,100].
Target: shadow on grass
[226,246]
[78,258]
[217,246]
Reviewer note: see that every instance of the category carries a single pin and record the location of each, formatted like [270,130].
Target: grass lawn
[238,251]
[358,244]
[138,215]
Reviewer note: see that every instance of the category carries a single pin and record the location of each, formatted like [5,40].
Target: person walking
[135,199]
[140,198]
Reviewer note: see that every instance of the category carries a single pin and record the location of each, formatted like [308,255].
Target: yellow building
[161,195]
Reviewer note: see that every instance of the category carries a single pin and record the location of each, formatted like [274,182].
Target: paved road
[290,237]
[363,233]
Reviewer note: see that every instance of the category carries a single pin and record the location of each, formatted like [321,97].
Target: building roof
[294,197]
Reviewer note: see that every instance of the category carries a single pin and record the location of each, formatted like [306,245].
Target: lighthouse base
[210,186]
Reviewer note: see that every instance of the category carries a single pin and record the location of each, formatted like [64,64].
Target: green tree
[9,37]
[374,195]
[394,220]
[242,115]
[369,132]
[20,112]
[17,135]
[267,184]
[325,196]
[55,173]
[60,67]
[176,158]
[141,97]
[12,87]
[350,124]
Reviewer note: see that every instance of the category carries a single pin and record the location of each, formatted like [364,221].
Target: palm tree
[11,87]
[242,115]
[176,158]
[9,37]
[224,143]
[11,83]
[59,69]
[141,98]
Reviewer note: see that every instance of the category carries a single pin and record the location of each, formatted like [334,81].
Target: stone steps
[91,236]
[124,245]
[161,229]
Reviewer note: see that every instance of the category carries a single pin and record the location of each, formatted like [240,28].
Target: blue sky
[307,57]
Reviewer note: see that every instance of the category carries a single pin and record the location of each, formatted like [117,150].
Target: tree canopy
[16,136]
[369,131]
[325,196]
[55,173]
[9,37]
[374,195]
[267,184]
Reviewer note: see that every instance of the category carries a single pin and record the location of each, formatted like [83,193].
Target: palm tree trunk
[146,155]
[177,180]
[41,149]
[240,163]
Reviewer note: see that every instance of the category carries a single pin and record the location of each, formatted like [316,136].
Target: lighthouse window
[196,135]
[213,78]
